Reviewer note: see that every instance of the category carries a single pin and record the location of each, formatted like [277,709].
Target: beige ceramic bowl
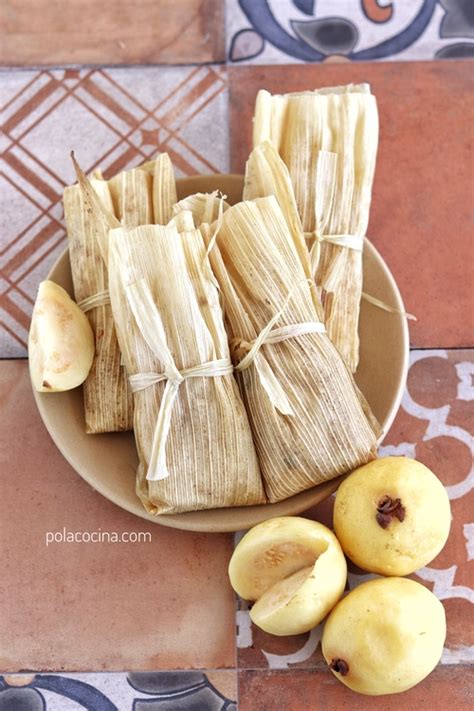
[108,462]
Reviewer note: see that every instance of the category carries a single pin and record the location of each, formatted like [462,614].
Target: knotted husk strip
[203,206]
[342,121]
[108,402]
[210,457]
[332,430]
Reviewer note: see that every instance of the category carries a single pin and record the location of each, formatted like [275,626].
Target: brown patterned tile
[446,687]
[114,118]
[79,606]
[421,217]
[185,32]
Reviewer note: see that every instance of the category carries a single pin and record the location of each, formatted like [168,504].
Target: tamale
[191,429]
[108,403]
[328,140]
[310,422]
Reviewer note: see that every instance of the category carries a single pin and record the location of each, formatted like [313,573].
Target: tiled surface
[448,687]
[34,32]
[422,216]
[284,31]
[113,119]
[164,604]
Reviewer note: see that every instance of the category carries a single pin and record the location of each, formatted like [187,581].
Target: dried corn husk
[328,140]
[108,405]
[132,197]
[193,437]
[328,429]
[183,221]
[205,207]
[266,174]
[163,189]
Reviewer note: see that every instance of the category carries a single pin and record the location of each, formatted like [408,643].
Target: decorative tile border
[163,691]
[283,31]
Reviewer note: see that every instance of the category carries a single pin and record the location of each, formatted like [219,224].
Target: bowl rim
[184,521]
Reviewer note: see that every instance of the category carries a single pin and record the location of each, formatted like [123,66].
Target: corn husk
[132,197]
[266,174]
[183,221]
[108,404]
[164,194]
[204,207]
[328,140]
[329,429]
[196,453]
[145,195]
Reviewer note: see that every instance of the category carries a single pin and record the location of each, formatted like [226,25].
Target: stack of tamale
[235,328]
[309,421]
[328,140]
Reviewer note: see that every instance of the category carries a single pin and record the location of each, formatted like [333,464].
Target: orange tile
[421,217]
[34,33]
[447,687]
[157,605]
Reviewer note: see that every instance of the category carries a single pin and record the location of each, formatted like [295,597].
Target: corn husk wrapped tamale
[328,140]
[192,433]
[309,421]
[108,402]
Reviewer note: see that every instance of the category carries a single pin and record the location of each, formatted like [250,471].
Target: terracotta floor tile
[115,119]
[162,604]
[163,32]
[421,217]
[448,687]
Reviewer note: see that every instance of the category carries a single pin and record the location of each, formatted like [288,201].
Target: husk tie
[325,188]
[268,335]
[102,298]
